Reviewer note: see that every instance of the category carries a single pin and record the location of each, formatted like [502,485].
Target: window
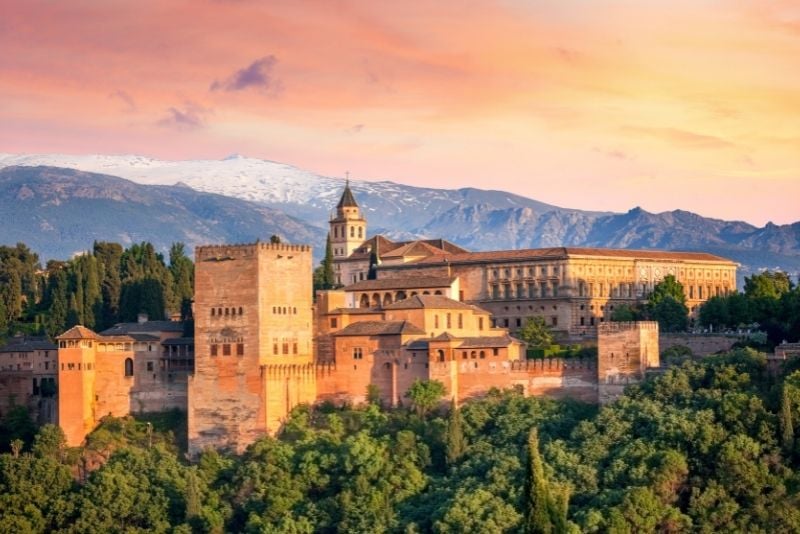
[334,322]
[128,367]
[461,320]
[582,321]
[352,231]
[294,348]
[480,323]
[519,322]
[482,355]
[213,350]
[436,321]
[149,366]
[495,292]
[240,310]
[360,230]
[212,312]
[285,347]
[449,325]
[358,354]
[226,349]
[274,348]
[240,349]
[464,355]
[495,352]
[507,291]
[554,320]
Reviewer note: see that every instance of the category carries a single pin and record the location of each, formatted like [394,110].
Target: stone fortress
[263,344]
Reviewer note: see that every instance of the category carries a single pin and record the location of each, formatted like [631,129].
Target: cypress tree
[537,516]
[787,426]
[328,280]
[456,442]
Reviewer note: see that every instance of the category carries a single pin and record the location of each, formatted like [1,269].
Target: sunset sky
[595,105]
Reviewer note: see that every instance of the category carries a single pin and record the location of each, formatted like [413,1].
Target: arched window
[440,353]
[352,231]
[128,367]
[365,300]
[360,232]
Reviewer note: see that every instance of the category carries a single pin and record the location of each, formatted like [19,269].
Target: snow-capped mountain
[388,206]
[474,218]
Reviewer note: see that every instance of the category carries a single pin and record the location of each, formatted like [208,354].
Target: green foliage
[704,447]
[672,315]
[456,441]
[536,333]
[425,394]
[626,313]
[669,287]
[770,301]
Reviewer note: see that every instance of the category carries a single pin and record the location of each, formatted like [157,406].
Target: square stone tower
[625,350]
[253,342]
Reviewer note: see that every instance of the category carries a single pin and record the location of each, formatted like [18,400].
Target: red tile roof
[498,256]
[407,282]
[379,328]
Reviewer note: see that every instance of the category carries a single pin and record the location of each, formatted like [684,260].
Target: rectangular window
[213,350]
[449,325]
[495,352]
[226,349]
[286,348]
[357,353]
[554,320]
[240,349]
[461,320]
[334,322]
[149,366]
[519,322]
[480,323]
[294,348]
[274,348]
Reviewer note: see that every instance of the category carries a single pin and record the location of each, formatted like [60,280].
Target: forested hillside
[709,446]
[97,289]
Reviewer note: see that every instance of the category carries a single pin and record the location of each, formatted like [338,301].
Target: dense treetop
[709,446]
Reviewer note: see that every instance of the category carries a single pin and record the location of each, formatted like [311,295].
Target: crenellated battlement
[289,370]
[244,250]
[626,326]
[550,365]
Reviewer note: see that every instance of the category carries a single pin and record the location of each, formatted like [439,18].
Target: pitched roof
[445,336]
[429,301]
[78,332]
[380,328]
[414,248]
[28,344]
[143,328]
[347,200]
[406,282]
[486,342]
[566,252]
[417,344]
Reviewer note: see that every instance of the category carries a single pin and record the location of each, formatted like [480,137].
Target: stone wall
[700,344]
[624,353]
[253,346]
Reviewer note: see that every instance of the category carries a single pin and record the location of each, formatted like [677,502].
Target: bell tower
[348,229]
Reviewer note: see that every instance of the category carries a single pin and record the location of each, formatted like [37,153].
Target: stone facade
[28,377]
[130,368]
[253,342]
[573,289]
[625,351]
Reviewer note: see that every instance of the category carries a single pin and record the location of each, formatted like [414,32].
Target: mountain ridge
[474,218]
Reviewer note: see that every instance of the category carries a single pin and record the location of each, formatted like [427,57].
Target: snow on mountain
[388,206]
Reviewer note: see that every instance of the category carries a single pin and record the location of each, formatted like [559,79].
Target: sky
[586,104]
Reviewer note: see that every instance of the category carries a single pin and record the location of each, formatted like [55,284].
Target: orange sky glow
[585,104]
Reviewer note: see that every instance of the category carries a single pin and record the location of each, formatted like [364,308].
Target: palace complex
[419,310]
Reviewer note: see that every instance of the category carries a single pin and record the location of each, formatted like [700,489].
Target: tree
[625,313]
[666,305]
[672,315]
[372,274]
[786,424]
[536,333]
[668,287]
[456,442]
[324,277]
[545,512]
[425,394]
[769,284]
[275,239]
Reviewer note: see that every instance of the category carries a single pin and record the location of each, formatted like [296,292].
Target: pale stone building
[573,289]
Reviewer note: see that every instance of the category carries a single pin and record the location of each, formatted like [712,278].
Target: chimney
[142,318]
